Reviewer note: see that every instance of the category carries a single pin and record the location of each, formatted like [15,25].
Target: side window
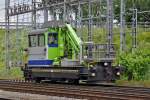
[33,40]
[53,39]
[41,40]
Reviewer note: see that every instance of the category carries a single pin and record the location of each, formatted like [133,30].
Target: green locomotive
[57,53]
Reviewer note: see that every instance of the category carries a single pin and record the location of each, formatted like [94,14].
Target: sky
[2,10]
[2,13]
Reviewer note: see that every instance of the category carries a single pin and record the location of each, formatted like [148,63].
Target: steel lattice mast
[134,28]
[90,21]
[7,3]
[134,25]
[109,23]
[122,27]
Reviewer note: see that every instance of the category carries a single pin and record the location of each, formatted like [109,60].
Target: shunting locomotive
[57,53]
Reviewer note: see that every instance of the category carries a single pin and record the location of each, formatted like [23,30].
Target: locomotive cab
[36,49]
[43,48]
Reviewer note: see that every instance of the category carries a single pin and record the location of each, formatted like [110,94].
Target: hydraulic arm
[74,41]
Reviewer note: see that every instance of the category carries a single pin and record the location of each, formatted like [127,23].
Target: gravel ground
[27,96]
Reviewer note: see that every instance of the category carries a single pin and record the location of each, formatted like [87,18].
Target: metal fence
[98,52]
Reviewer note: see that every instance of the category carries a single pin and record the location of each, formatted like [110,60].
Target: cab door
[53,45]
[36,50]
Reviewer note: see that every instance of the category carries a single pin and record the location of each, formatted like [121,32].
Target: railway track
[78,91]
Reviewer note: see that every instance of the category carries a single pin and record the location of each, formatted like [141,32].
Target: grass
[12,73]
[133,83]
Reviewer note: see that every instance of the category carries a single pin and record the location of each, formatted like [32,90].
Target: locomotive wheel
[73,81]
[76,81]
[37,80]
[27,79]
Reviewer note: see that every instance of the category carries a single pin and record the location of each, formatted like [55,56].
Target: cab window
[33,40]
[41,40]
[53,39]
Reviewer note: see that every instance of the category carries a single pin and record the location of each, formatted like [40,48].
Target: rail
[78,91]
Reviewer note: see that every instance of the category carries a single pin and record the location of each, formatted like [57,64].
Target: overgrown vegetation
[12,73]
[14,54]
[137,61]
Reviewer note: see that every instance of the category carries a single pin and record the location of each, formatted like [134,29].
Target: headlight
[85,57]
[93,74]
[51,71]
[105,64]
[118,73]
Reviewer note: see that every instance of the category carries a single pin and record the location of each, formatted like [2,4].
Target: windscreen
[53,39]
[37,40]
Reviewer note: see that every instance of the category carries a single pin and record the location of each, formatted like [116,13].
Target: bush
[137,62]
[12,73]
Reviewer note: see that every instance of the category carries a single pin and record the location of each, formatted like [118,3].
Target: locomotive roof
[46,26]
[53,24]
[38,31]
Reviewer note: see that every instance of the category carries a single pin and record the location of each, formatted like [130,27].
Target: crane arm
[74,39]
